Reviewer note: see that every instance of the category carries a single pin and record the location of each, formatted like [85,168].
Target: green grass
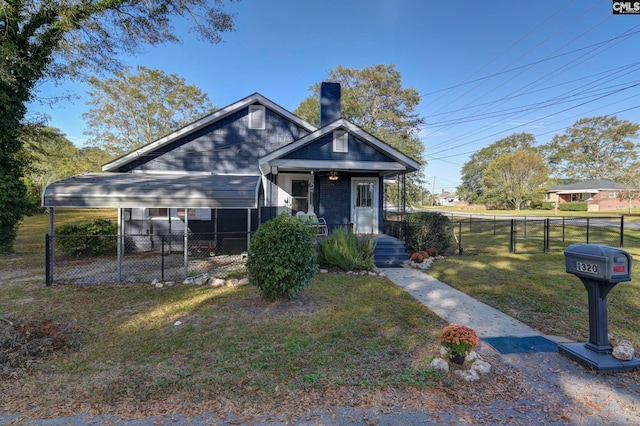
[343,332]
[535,289]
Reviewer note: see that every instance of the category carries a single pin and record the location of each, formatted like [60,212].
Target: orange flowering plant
[459,339]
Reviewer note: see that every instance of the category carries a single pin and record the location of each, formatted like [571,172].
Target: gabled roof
[593,185]
[401,161]
[206,121]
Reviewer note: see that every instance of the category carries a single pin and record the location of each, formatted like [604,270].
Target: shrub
[429,229]
[431,252]
[282,257]
[542,205]
[347,251]
[417,257]
[573,207]
[88,238]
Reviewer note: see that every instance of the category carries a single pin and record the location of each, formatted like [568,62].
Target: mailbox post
[600,268]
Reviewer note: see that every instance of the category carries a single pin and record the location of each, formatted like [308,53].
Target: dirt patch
[256,307]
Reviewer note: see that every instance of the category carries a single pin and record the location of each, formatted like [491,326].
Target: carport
[150,190]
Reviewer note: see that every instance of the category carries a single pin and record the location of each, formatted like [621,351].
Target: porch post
[248,227]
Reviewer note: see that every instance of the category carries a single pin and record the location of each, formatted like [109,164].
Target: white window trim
[340,141]
[257,109]
[287,179]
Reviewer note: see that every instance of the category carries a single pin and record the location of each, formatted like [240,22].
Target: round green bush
[282,257]
[88,238]
[429,230]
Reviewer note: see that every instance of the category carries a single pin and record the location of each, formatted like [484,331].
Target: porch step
[390,251]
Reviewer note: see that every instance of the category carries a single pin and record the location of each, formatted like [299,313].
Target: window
[156,212]
[613,194]
[190,212]
[256,117]
[340,141]
[299,195]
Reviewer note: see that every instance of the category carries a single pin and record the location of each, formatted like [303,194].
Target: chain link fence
[90,260]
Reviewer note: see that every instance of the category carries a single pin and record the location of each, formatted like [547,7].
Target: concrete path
[457,307]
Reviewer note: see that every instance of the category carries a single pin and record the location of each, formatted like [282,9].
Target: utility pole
[433,191]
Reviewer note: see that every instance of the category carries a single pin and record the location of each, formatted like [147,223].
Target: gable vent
[257,117]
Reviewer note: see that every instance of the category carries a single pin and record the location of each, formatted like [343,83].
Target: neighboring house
[241,165]
[598,194]
[447,198]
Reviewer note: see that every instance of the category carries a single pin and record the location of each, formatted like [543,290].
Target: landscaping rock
[440,365]
[467,375]
[217,282]
[481,367]
[159,285]
[624,353]
[243,282]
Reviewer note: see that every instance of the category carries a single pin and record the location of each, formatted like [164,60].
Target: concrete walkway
[457,307]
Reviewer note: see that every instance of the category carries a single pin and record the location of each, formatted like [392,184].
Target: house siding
[227,146]
[322,149]
[332,203]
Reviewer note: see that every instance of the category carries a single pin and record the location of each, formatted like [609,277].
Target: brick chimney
[330,104]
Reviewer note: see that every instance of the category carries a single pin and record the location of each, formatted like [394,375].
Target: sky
[484,69]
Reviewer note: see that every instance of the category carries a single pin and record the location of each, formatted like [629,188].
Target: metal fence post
[563,229]
[162,257]
[48,259]
[621,231]
[587,230]
[547,224]
[460,237]
[512,237]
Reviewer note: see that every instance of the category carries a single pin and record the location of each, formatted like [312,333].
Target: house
[446,198]
[598,194]
[239,166]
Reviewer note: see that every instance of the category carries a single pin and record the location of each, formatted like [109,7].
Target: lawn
[144,350]
[346,340]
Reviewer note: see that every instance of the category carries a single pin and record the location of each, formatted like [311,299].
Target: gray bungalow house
[238,167]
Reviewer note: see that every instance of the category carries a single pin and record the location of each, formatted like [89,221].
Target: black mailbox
[599,263]
[599,268]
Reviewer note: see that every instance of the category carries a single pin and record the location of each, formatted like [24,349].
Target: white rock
[188,280]
[624,353]
[131,280]
[177,323]
[232,282]
[324,271]
[444,351]
[243,281]
[439,364]
[159,285]
[468,375]
[170,283]
[472,356]
[155,281]
[218,282]
[481,367]
[382,274]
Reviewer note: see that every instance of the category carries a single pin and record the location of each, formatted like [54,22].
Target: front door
[364,202]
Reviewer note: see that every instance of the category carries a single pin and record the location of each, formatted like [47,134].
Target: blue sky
[485,69]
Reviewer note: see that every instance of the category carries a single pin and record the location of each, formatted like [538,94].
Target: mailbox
[599,263]
[600,269]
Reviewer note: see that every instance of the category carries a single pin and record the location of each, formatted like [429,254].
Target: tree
[472,187]
[55,38]
[630,178]
[514,178]
[133,110]
[373,99]
[48,156]
[593,148]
